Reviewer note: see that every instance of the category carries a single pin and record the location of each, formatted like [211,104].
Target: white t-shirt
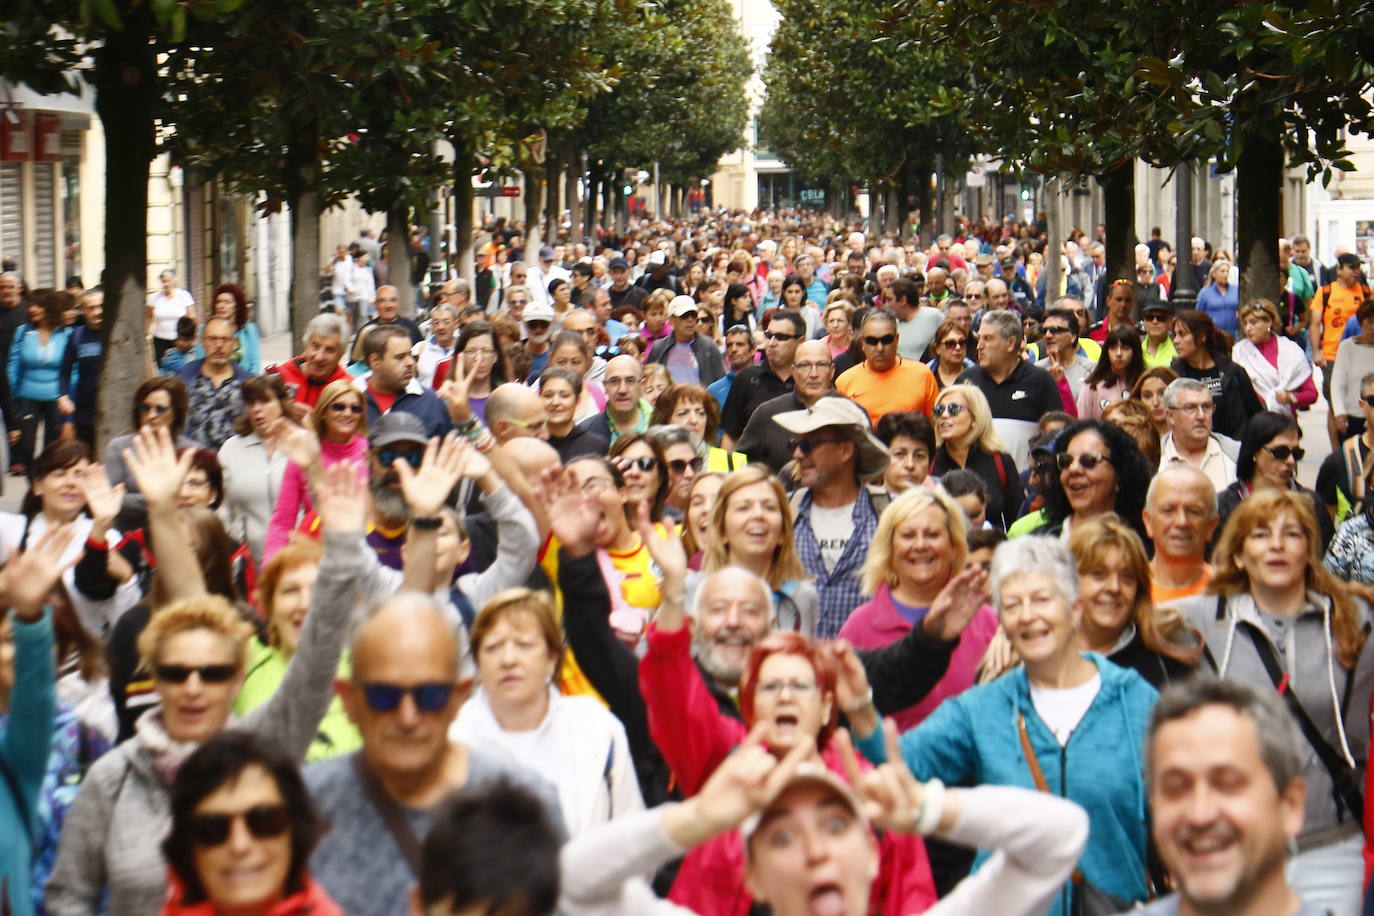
[1062,708]
[833,529]
[167,310]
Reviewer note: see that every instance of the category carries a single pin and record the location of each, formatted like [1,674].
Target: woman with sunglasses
[242,830]
[195,649]
[1204,356]
[339,425]
[644,467]
[1268,460]
[1100,469]
[1112,378]
[951,354]
[963,429]
[693,407]
[159,403]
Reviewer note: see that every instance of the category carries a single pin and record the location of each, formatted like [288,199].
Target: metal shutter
[11,213]
[45,226]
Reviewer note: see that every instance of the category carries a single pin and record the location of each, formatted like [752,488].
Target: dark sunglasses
[1055,330]
[209,674]
[1368,399]
[955,344]
[680,466]
[807,446]
[387,697]
[645,463]
[1087,461]
[1284,452]
[952,409]
[537,324]
[263,821]
[340,407]
[518,302]
[386,457]
[886,340]
[158,409]
[779,336]
[688,316]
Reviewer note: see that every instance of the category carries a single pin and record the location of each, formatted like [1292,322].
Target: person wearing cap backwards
[691,358]
[885,382]
[658,275]
[542,274]
[836,515]
[1157,320]
[622,291]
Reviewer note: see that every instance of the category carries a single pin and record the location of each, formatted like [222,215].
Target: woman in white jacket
[572,741]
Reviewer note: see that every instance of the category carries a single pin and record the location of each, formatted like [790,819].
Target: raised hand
[299,444]
[153,461]
[427,489]
[29,577]
[998,658]
[852,689]
[342,500]
[102,500]
[891,796]
[573,514]
[956,604]
[665,546]
[454,391]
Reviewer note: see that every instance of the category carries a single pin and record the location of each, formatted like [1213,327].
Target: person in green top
[284,591]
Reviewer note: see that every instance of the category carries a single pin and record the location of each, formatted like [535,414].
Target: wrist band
[932,807]
[93,544]
[473,429]
[860,704]
[484,442]
[428,524]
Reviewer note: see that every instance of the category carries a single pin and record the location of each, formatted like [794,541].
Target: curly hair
[1127,461]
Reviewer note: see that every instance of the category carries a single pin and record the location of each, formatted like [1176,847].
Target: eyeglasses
[806,368]
[1368,399]
[885,340]
[952,409]
[217,340]
[431,697]
[680,465]
[974,296]
[386,457]
[532,427]
[1055,329]
[158,409]
[263,821]
[1195,410]
[518,302]
[340,407]
[619,382]
[775,688]
[645,463]
[807,446]
[779,336]
[1087,461]
[597,484]
[480,352]
[210,674]
[1284,452]
[954,344]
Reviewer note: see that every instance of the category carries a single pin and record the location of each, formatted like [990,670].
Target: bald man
[1180,516]
[812,379]
[403,695]
[388,305]
[516,411]
[626,410]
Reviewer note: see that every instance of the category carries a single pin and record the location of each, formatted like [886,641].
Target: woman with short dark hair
[1204,355]
[159,403]
[1268,460]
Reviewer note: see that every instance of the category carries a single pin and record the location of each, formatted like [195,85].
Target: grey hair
[1280,743]
[1183,469]
[1007,323]
[1180,385]
[1063,303]
[326,325]
[460,285]
[694,602]
[670,434]
[1034,553]
[1367,381]
[453,312]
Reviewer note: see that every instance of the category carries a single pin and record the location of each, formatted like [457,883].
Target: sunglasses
[209,674]
[1087,461]
[954,344]
[518,302]
[386,457]
[779,336]
[1057,329]
[680,465]
[431,697]
[1284,452]
[263,821]
[338,407]
[953,410]
[1368,399]
[886,340]
[158,409]
[688,316]
[537,325]
[807,446]
[645,463]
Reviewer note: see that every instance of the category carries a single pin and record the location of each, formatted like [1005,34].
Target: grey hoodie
[1316,677]
[113,832]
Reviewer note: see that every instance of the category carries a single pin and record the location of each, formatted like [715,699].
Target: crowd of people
[741,564]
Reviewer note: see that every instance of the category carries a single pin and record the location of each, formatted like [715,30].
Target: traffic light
[629,189]
[1025,192]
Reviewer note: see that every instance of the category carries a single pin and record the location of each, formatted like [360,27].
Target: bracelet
[484,442]
[932,807]
[860,704]
[433,523]
[471,430]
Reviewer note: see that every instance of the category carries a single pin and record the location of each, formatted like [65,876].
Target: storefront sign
[16,136]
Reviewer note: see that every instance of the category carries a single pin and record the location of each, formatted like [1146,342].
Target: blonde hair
[536,607]
[331,393]
[659,298]
[203,612]
[983,434]
[1265,308]
[878,569]
[785,566]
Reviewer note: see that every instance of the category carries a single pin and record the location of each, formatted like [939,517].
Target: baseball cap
[871,456]
[546,253]
[658,258]
[1007,262]
[396,426]
[807,773]
[538,311]
[618,264]
[983,260]
[681,305]
[1157,305]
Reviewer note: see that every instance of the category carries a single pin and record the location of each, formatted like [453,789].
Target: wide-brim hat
[870,457]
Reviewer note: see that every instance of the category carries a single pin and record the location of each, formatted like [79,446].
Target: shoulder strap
[1354,478]
[391,814]
[1001,469]
[1343,780]
[1033,762]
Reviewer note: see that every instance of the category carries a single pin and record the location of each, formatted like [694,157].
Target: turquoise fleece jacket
[24,754]
[972,738]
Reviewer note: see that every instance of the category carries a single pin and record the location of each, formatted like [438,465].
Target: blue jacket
[1221,307]
[34,368]
[973,736]
[24,750]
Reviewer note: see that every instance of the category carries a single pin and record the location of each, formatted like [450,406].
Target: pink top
[295,494]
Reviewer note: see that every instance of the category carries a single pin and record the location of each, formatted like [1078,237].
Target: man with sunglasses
[917,322]
[765,381]
[212,387]
[1157,343]
[1064,360]
[884,382]
[690,357]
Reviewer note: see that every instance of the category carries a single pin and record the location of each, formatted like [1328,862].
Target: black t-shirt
[752,387]
[631,295]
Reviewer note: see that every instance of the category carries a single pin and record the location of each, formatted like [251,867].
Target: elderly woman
[693,407]
[517,709]
[1268,460]
[253,464]
[236,801]
[1277,366]
[1101,469]
[916,559]
[1220,299]
[963,429]
[910,441]
[1204,357]
[1277,619]
[159,403]
[1016,730]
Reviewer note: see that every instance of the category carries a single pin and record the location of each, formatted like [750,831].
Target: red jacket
[310,901]
[306,390]
[695,737]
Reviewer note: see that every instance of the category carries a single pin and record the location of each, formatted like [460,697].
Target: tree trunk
[126,89]
[904,199]
[923,203]
[1259,183]
[607,202]
[1054,239]
[463,168]
[303,198]
[1118,200]
[534,200]
[571,180]
[553,208]
[398,257]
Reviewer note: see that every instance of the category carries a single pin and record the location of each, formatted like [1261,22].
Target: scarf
[1290,373]
[167,753]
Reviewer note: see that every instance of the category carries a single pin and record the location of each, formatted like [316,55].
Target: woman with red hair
[231,304]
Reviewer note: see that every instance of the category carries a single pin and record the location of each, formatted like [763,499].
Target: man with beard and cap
[836,514]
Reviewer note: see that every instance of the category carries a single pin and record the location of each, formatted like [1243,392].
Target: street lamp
[1183,292]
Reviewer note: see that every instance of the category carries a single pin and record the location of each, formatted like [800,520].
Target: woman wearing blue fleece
[35,362]
[1084,718]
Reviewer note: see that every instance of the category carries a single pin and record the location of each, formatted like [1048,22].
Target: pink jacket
[294,498]
[878,623]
